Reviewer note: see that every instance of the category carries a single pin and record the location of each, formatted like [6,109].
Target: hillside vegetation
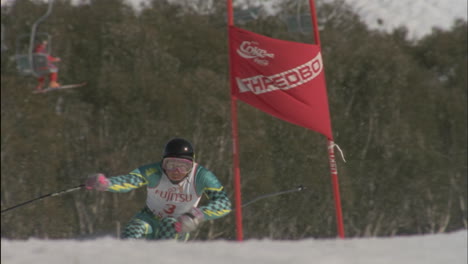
[398,109]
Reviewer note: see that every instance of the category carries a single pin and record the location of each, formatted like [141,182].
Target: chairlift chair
[243,16]
[300,23]
[39,61]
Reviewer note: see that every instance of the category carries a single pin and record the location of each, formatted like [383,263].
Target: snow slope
[427,249]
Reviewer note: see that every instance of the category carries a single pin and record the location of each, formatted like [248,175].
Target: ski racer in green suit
[174,189]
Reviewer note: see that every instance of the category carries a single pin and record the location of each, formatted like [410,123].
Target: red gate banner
[282,78]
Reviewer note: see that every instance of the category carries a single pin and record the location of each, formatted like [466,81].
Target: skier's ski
[68,86]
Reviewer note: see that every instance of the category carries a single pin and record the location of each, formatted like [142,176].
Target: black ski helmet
[179,148]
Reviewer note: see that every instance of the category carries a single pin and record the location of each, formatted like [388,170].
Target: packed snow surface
[447,248]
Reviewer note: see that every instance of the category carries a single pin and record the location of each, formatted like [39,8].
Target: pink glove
[97,182]
[189,221]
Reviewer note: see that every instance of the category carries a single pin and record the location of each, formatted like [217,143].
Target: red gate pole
[235,141]
[331,144]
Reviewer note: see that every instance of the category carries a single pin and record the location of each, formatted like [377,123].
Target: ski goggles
[177,164]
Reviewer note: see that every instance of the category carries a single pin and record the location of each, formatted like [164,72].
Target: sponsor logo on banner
[251,50]
[282,81]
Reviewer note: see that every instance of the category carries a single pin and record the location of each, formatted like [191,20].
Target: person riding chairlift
[53,75]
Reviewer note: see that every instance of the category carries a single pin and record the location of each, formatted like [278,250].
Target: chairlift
[28,62]
[300,23]
[243,16]
[39,60]
[36,63]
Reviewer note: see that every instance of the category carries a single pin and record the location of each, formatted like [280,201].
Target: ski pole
[45,196]
[296,189]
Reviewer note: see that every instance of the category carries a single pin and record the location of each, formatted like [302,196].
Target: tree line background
[398,109]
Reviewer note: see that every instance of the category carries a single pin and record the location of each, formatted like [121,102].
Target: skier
[53,75]
[174,189]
